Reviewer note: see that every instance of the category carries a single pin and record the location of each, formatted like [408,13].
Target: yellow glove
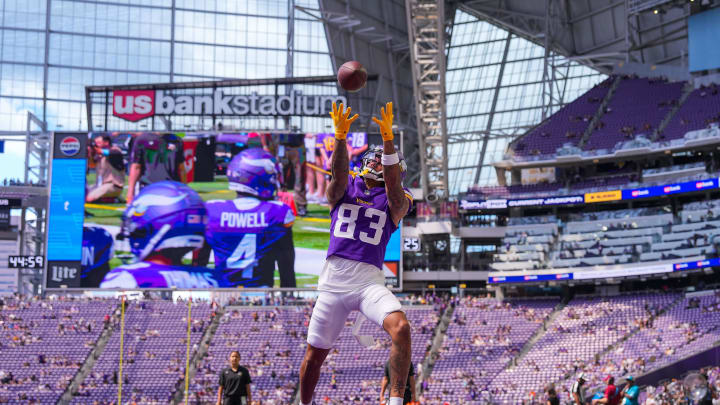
[341,120]
[386,123]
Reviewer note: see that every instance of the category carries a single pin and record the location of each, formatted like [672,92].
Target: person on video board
[155,157]
[109,169]
[251,233]
[165,222]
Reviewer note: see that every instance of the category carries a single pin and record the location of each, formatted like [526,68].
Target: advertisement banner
[392,266]
[603,196]
[668,189]
[660,268]
[189,152]
[66,210]
[135,105]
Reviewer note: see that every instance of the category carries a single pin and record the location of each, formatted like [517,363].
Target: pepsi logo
[70,146]
[635,193]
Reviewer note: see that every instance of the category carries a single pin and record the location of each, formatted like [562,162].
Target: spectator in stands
[109,169]
[631,392]
[552,397]
[577,391]
[234,383]
[611,396]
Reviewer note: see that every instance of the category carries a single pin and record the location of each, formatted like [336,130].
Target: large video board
[141,211]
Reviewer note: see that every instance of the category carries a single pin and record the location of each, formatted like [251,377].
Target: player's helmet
[164,215]
[372,158]
[254,172]
[97,248]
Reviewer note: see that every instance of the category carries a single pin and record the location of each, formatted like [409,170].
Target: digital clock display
[25,262]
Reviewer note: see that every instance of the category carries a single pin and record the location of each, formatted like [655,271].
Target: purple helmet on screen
[372,159]
[254,172]
[97,248]
[164,215]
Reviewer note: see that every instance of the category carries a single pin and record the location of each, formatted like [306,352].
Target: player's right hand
[341,120]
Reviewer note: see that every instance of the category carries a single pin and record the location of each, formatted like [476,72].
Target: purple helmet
[372,158]
[254,172]
[164,215]
[97,248]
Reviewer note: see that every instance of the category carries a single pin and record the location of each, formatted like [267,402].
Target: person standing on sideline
[577,392]
[234,383]
[155,158]
[409,396]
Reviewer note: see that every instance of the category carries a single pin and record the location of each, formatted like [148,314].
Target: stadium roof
[597,33]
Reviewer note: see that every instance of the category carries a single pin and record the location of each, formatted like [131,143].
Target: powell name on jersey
[361,223]
[242,231]
[153,275]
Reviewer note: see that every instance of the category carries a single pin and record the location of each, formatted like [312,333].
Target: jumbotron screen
[173,210]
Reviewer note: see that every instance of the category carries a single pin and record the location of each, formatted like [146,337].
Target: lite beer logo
[134,105]
[62,273]
[70,146]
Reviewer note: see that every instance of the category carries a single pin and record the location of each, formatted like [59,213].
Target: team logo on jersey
[70,146]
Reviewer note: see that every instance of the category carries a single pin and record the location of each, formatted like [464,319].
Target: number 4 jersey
[248,236]
[361,223]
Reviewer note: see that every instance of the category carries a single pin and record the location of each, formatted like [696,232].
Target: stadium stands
[503,352]
[701,108]
[689,327]
[43,344]
[637,106]
[482,340]
[154,353]
[271,345]
[609,237]
[353,373]
[583,329]
[565,126]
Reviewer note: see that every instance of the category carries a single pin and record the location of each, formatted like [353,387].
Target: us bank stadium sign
[135,105]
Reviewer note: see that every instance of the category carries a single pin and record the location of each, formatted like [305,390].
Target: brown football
[352,76]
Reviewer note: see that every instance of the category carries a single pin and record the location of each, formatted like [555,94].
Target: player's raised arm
[339,161]
[391,166]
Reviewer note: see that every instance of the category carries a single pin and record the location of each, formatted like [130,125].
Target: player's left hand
[387,122]
[341,120]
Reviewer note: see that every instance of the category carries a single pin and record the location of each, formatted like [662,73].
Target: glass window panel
[24,13]
[21,81]
[22,46]
[475,57]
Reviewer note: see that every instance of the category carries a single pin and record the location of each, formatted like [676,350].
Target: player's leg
[327,320]
[382,307]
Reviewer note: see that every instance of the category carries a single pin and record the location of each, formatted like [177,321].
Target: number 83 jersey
[361,223]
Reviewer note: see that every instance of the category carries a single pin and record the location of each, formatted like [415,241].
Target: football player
[365,210]
[97,250]
[164,222]
[249,234]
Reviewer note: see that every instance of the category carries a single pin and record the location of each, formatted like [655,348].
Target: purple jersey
[243,230]
[152,275]
[326,143]
[361,223]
